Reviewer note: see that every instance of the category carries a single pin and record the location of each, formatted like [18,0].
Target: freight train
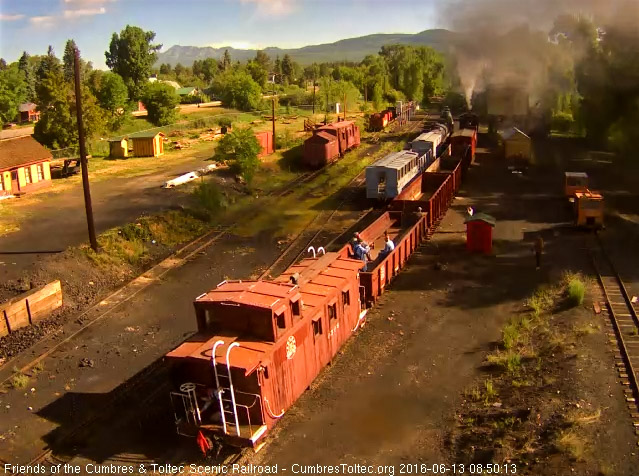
[259,344]
[403,111]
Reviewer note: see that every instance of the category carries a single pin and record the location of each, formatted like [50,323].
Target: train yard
[392,407]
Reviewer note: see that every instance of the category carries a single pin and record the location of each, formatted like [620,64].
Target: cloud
[273,7]
[43,20]
[88,2]
[11,17]
[84,12]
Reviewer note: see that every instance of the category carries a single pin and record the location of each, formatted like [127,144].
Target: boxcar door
[320,342]
[333,326]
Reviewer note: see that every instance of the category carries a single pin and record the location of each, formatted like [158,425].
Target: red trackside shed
[479,233]
[266,142]
[330,142]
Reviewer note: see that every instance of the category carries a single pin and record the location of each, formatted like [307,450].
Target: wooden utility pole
[314,84]
[83,154]
[273,111]
[344,106]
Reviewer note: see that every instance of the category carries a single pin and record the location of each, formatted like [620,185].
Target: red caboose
[259,345]
[330,142]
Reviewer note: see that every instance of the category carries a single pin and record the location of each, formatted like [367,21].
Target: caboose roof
[321,137]
[264,294]
[336,125]
[247,356]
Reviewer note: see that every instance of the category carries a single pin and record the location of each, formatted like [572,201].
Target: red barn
[479,233]
[28,112]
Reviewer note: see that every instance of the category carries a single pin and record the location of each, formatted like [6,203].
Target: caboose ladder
[225,390]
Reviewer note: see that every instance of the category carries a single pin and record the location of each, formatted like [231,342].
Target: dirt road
[17,132]
[59,221]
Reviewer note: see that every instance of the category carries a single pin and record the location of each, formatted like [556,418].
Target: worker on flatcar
[389,246]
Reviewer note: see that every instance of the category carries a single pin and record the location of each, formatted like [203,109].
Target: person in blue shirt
[389,246]
[362,252]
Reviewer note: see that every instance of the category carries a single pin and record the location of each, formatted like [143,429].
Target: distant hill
[351,49]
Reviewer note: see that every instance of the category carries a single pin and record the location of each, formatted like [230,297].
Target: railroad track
[617,306]
[131,399]
[309,234]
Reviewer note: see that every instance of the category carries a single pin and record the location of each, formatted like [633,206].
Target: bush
[209,199]
[287,140]
[160,100]
[576,291]
[241,148]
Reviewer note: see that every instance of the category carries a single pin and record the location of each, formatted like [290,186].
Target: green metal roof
[185,91]
[482,217]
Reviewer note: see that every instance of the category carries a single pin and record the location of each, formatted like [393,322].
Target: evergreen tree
[29,79]
[68,60]
[226,61]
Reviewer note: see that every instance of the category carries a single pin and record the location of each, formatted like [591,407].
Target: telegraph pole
[273,111]
[83,154]
[314,84]
[344,106]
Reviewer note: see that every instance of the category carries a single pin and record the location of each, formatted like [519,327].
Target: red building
[28,112]
[479,233]
[266,142]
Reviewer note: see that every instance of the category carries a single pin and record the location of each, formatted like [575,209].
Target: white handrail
[228,367]
[217,382]
[321,248]
[310,248]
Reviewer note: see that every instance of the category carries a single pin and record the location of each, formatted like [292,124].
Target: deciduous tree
[13,92]
[132,55]
[160,100]
[237,89]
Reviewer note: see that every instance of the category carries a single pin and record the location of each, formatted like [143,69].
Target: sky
[32,25]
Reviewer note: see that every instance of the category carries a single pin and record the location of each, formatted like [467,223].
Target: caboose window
[332,311]
[317,327]
[295,308]
[281,322]
[346,298]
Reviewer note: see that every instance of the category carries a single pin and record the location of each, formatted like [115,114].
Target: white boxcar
[387,177]
[427,141]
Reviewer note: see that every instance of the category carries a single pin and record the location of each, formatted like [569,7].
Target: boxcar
[387,177]
[330,142]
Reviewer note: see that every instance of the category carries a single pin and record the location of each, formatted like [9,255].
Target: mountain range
[351,49]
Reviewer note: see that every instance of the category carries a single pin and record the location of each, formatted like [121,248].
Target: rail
[623,318]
